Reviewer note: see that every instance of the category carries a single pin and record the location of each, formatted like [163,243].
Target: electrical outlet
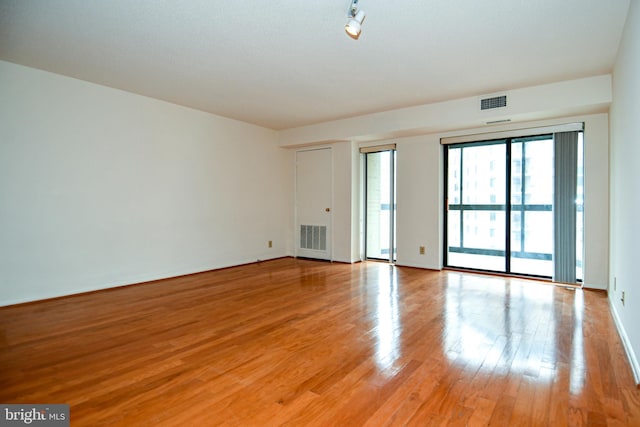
[421,250]
[270,244]
[622,299]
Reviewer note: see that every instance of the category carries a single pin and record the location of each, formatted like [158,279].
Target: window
[502,217]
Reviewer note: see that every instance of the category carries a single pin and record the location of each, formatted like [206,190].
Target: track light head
[354,25]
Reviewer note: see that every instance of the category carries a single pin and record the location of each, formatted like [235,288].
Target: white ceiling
[288,63]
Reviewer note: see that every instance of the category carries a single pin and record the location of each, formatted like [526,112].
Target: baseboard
[130,281]
[631,356]
[418,267]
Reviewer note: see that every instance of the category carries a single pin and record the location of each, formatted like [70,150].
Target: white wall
[596,198]
[100,188]
[356,203]
[343,195]
[625,195]
[419,197]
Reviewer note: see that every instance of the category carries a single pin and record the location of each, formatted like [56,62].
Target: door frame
[392,195]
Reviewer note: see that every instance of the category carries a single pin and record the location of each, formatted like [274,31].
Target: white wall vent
[495,102]
[313,237]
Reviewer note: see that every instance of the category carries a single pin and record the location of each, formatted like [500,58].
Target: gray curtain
[564,206]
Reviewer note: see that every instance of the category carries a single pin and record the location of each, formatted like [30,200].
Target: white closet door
[313,203]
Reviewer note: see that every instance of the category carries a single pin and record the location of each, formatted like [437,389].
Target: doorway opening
[380,205]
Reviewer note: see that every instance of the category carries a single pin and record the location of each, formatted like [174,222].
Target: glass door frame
[507,207]
[392,205]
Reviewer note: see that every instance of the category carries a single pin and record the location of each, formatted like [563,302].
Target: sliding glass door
[476,219]
[500,205]
[380,205]
[532,191]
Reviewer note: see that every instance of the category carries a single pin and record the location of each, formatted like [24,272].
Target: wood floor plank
[301,342]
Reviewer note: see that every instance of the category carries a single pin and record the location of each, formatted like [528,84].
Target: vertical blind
[564,206]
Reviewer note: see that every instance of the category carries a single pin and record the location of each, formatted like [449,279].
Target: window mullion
[461,199]
[523,191]
[507,209]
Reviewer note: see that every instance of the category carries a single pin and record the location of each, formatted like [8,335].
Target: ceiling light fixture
[354,25]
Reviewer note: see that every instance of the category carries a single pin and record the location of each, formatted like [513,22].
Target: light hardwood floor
[299,342]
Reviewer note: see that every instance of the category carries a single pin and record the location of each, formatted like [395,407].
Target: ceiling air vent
[495,102]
